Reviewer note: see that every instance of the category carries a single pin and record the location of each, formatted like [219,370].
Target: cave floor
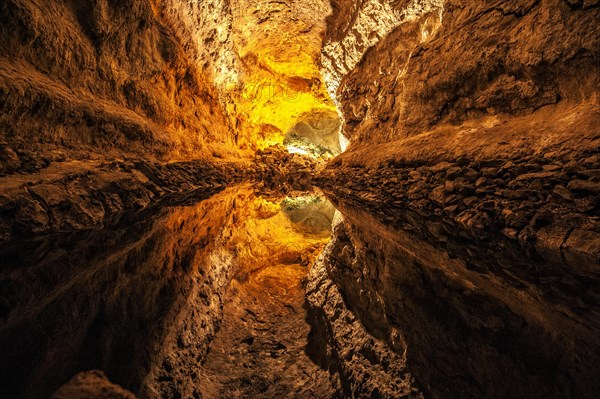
[259,351]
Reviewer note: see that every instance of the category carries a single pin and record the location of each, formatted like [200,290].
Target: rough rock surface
[98,76]
[91,385]
[469,189]
[451,61]
[76,195]
[260,350]
[365,366]
[276,169]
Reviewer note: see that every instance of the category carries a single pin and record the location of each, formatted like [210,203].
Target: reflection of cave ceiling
[309,215]
[278,45]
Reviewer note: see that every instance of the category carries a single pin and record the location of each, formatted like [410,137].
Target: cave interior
[206,199]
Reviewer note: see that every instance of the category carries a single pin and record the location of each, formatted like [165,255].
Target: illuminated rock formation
[160,235]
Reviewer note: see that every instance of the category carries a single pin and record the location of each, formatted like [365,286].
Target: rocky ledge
[82,195]
[487,268]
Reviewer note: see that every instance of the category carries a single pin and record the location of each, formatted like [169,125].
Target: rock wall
[362,365]
[276,80]
[143,306]
[470,190]
[91,385]
[93,78]
[447,62]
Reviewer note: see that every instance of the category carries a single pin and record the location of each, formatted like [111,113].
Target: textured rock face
[363,365]
[276,79]
[452,61]
[101,76]
[469,190]
[356,26]
[91,385]
[318,128]
[467,262]
[142,307]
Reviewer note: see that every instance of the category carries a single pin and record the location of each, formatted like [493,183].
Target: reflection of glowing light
[297,150]
[343,140]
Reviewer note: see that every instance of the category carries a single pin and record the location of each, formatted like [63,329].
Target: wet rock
[584,186]
[9,161]
[91,385]
[582,250]
[31,217]
[563,192]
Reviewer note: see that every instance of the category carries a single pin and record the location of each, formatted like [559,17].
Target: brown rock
[442,166]
[551,168]
[535,175]
[51,194]
[449,186]
[437,195]
[91,385]
[454,172]
[582,250]
[550,240]
[563,192]
[584,186]
[470,201]
[31,217]
[9,161]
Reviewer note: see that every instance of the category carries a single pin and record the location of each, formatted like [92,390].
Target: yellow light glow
[296,150]
[280,77]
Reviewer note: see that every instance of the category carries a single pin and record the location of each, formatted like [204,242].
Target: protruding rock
[31,217]
[92,385]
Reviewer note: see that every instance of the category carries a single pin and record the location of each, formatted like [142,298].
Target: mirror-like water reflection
[143,301]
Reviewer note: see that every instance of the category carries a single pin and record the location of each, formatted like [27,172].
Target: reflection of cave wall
[475,121]
[138,301]
[309,215]
[142,300]
[474,129]
[317,128]
[478,318]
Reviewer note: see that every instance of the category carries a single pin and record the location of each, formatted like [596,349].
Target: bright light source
[296,150]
